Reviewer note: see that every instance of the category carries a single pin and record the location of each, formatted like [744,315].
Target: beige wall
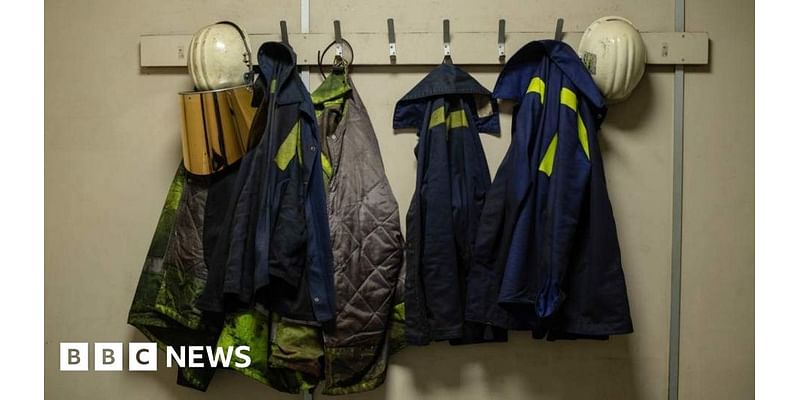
[112,145]
[717,341]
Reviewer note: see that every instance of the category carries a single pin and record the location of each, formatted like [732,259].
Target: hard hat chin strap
[247,57]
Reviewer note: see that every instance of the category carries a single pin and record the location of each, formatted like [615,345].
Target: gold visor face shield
[216,128]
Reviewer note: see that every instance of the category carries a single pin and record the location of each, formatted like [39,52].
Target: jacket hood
[515,77]
[444,80]
[277,63]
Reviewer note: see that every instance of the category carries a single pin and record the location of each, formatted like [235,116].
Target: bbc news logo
[143,356]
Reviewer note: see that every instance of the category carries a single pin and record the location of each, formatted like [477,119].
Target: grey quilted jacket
[366,239]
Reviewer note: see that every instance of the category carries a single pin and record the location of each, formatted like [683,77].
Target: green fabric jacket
[286,355]
[173,277]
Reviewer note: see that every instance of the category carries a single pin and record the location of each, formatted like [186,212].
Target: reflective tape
[437,117]
[549,158]
[569,99]
[455,119]
[289,148]
[537,86]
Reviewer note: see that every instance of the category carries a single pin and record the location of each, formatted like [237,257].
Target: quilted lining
[366,240]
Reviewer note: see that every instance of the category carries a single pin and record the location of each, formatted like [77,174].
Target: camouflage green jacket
[286,355]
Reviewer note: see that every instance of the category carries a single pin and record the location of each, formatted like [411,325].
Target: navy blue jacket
[275,247]
[547,256]
[452,180]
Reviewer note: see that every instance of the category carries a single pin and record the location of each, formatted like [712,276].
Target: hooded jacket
[447,108]
[367,251]
[288,355]
[365,236]
[547,252]
[285,355]
[276,233]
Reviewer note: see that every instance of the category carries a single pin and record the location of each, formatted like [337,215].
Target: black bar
[501,32]
[284,33]
[337,32]
[390,23]
[559,28]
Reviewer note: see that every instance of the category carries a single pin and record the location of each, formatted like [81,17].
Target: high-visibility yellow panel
[289,148]
[569,99]
[437,117]
[457,119]
[549,158]
[537,86]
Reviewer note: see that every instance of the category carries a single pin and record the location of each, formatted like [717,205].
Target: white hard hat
[614,53]
[219,56]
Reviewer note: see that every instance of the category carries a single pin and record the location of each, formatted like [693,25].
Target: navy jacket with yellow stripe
[547,256]
[274,242]
[447,108]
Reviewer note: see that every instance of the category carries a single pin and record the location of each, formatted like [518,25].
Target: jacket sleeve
[599,305]
[568,181]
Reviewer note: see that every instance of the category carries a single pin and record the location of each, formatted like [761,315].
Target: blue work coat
[547,256]
[274,248]
[447,108]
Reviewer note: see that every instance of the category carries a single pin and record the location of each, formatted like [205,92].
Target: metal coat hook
[339,62]
[501,39]
[284,33]
[392,45]
[559,29]
[446,41]
[337,34]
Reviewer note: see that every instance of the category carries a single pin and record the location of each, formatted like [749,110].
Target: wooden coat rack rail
[426,48]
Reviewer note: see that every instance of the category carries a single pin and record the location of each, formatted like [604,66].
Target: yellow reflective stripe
[549,158]
[569,99]
[537,86]
[437,117]
[583,137]
[457,119]
[273,85]
[289,148]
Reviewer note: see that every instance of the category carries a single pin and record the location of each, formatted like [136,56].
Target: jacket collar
[333,89]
